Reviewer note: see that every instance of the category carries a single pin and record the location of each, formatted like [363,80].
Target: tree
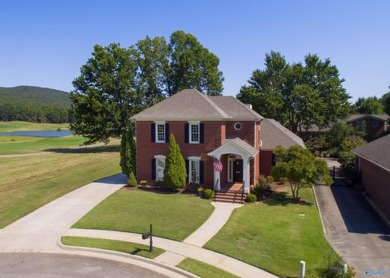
[370,105]
[346,157]
[300,168]
[192,66]
[297,95]
[175,173]
[128,153]
[385,99]
[105,95]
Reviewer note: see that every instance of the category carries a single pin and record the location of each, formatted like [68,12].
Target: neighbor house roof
[377,152]
[380,117]
[274,134]
[190,104]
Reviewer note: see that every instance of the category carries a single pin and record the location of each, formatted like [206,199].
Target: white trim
[156,132]
[160,156]
[194,122]
[190,133]
[194,158]
[160,122]
[197,169]
[238,123]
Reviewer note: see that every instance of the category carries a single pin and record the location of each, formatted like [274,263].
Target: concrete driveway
[354,230]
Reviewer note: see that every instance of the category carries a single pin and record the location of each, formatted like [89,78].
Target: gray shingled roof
[274,134]
[377,152]
[381,117]
[189,104]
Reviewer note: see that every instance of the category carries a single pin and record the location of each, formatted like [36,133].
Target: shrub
[132,181]
[143,182]
[262,186]
[208,193]
[175,173]
[200,190]
[270,179]
[251,198]
[283,180]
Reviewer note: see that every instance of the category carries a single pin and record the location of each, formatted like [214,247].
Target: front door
[237,170]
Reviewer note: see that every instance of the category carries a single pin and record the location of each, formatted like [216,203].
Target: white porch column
[246,178]
[217,178]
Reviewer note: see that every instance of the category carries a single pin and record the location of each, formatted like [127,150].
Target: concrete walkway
[178,251]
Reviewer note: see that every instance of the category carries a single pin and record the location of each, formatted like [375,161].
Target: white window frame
[160,158]
[194,165]
[191,124]
[157,124]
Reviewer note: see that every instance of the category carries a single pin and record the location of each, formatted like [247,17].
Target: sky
[45,42]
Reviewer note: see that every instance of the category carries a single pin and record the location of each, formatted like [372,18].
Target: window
[237,126]
[375,124]
[160,166]
[194,169]
[160,133]
[194,133]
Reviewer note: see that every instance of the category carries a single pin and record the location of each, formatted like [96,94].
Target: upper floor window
[194,133]
[375,124]
[160,132]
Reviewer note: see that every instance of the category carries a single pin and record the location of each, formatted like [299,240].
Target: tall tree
[369,105]
[300,167]
[193,66]
[175,173]
[105,94]
[385,99]
[297,95]
[128,153]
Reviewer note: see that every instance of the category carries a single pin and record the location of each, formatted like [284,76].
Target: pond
[38,133]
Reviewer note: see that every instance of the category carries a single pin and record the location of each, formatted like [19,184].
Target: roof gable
[377,152]
[190,104]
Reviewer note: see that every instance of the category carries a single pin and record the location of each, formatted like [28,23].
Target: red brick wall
[266,163]
[376,182]
[372,130]
[214,134]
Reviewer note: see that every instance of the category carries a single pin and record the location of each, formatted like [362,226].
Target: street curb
[319,209]
[93,251]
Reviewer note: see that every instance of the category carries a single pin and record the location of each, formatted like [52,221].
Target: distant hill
[36,95]
[34,104]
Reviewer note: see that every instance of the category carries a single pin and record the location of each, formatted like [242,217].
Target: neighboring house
[373,163]
[274,134]
[208,129]
[375,124]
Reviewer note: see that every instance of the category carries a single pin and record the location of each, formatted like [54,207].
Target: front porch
[231,193]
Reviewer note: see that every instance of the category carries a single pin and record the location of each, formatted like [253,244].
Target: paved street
[40,265]
[354,230]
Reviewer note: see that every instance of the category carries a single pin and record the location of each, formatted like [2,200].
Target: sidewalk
[177,251]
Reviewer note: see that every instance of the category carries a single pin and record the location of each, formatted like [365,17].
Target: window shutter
[186,133]
[273,161]
[201,133]
[166,133]
[187,169]
[201,172]
[153,132]
[154,169]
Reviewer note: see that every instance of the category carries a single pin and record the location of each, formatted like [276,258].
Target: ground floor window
[160,166]
[194,169]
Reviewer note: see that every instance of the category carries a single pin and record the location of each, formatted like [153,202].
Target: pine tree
[127,152]
[175,173]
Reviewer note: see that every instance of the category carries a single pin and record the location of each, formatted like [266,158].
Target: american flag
[218,165]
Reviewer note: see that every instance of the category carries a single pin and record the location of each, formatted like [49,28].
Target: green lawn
[174,216]
[18,126]
[25,144]
[114,245]
[275,235]
[203,270]
[27,183]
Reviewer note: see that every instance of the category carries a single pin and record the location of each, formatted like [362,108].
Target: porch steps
[230,196]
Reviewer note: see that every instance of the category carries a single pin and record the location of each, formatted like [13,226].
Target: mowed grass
[275,236]
[25,144]
[174,216]
[114,245]
[29,182]
[19,126]
[204,270]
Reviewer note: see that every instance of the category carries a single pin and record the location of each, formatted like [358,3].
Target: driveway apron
[354,230]
[41,229]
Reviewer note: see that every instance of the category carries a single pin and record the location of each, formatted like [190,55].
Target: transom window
[194,173]
[160,166]
[160,133]
[194,133]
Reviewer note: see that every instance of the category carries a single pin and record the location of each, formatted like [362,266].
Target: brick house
[373,163]
[208,129]
[375,124]
[273,134]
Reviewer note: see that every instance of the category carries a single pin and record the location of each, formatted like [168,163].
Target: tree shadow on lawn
[280,198]
[97,149]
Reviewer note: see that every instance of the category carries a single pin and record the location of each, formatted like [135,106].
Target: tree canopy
[117,82]
[300,168]
[385,99]
[369,105]
[297,95]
